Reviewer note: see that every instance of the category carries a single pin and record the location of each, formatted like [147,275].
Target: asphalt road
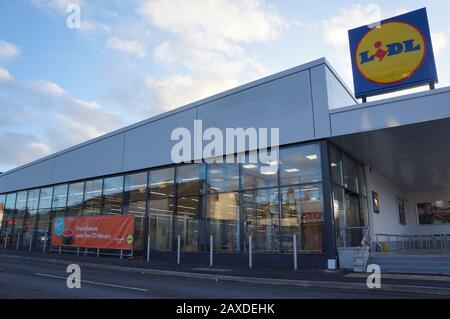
[40,279]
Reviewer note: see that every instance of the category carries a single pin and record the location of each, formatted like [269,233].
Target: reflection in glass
[300,165]
[76,191]
[336,165]
[350,174]
[138,210]
[135,187]
[161,219]
[189,222]
[223,177]
[60,196]
[33,199]
[161,182]
[302,215]
[93,197]
[45,198]
[258,175]
[2,212]
[9,215]
[223,220]
[190,179]
[112,195]
[261,219]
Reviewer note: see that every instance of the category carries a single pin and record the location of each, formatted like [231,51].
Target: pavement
[110,277]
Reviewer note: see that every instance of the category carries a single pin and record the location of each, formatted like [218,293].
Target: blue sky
[132,59]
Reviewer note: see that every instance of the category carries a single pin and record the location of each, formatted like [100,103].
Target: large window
[161,182]
[223,220]
[137,209]
[21,211]
[75,199]
[93,197]
[9,215]
[271,200]
[190,223]
[258,175]
[261,219]
[60,196]
[135,203]
[349,199]
[136,187]
[2,212]
[44,213]
[161,208]
[31,217]
[302,215]
[190,179]
[300,165]
[223,178]
[112,195]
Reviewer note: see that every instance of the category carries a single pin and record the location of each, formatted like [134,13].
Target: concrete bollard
[148,248]
[294,241]
[178,250]
[211,248]
[250,252]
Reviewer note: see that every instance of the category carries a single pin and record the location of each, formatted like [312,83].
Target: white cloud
[48,87]
[440,41]
[8,50]
[5,76]
[92,26]
[52,119]
[20,148]
[210,44]
[127,46]
[237,21]
[57,5]
[177,90]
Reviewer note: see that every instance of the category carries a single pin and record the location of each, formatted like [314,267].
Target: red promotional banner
[109,232]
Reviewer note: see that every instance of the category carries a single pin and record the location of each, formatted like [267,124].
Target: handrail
[423,242]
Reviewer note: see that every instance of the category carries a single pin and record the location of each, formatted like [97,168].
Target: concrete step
[413,264]
[416,270]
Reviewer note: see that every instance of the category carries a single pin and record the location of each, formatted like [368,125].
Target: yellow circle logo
[130,239]
[391,53]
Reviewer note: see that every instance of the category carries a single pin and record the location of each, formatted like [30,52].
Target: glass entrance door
[354,219]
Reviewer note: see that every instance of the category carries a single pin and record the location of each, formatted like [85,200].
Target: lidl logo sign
[394,55]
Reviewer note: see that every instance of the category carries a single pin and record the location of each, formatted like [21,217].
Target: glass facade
[349,199]
[271,201]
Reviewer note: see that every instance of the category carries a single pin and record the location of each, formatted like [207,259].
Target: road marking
[93,282]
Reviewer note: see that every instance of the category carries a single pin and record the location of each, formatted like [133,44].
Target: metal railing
[411,242]
[352,236]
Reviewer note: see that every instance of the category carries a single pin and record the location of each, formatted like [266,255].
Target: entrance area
[407,175]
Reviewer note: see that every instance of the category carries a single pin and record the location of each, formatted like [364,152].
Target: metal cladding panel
[30,176]
[410,109]
[284,104]
[150,145]
[101,157]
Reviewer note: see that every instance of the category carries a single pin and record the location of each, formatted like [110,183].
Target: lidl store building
[347,173]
